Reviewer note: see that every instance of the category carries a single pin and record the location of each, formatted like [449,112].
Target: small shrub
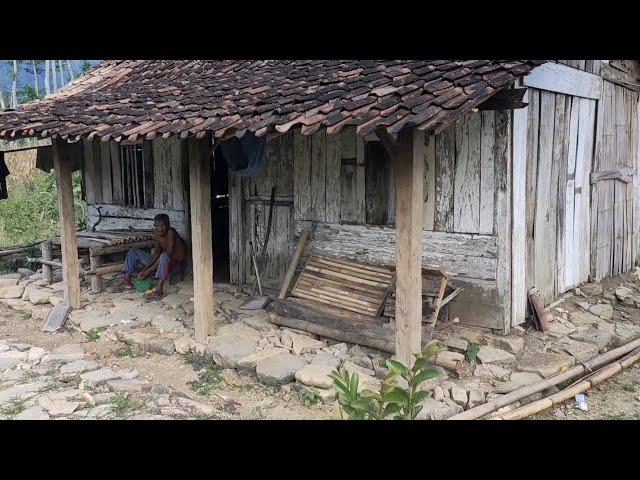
[93,334]
[208,372]
[125,351]
[122,403]
[309,395]
[472,352]
[13,408]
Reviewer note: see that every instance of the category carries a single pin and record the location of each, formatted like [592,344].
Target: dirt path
[165,380]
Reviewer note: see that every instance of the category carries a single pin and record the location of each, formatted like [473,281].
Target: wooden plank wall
[165,184]
[615,226]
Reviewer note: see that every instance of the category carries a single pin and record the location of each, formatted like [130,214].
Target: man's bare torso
[179,251]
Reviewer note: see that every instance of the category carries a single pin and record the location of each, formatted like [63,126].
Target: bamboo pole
[601,375]
[589,365]
[292,266]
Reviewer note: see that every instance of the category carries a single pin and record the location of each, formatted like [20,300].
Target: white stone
[12,291]
[98,377]
[491,372]
[195,406]
[602,310]
[315,375]
[183,344]
[456,344]
[8,282]
[65,353]
[129,386]
[494,356]
[250,361]
[34,412]
[164,324]
[35,354]
[279,369]
[459,395]
[57,406]
[476,397]
[228,350]
[37,296]
[352,367]
[79,366]
[22,391]
[518,380]
[325,358]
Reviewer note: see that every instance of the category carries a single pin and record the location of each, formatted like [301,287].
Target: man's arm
[157,249]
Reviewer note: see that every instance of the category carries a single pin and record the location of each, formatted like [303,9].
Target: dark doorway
[220,217]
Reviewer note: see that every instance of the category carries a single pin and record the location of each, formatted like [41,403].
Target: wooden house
[507,174]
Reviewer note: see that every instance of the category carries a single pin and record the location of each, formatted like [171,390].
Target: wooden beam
[68,241]
[409,171]
[202,255]
[507,99]
[559,78]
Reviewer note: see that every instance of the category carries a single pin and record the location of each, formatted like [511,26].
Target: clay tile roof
[129,99]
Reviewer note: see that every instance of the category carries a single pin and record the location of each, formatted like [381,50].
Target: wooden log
[114,267]
[409,168]
[537,306]
[509,398]
[200,197]
[292,265]
[47,272]
[68,241]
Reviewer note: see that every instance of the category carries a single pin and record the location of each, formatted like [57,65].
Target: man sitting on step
[169,254]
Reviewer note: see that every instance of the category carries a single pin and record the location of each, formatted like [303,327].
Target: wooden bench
[99,244]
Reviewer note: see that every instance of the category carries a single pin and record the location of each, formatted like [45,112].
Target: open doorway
[220,217]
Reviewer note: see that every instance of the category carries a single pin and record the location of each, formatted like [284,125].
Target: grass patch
[208,372]
[203,416]
[472,352]
[14,407]
[125,351]
[122,403]
[309,395]
[93,334]
[629,388]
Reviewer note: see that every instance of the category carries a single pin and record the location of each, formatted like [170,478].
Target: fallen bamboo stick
[594,363]
[292,265]
[601,375]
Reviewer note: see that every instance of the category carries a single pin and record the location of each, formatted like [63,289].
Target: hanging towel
[245,155]
[44,158]
[4,171]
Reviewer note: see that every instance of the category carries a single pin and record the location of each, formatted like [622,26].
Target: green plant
[629,388]
[391,400]
[208,372]
[93,334]
[122,403]
[125,351]
[309,395]
[14,407]
[472,352]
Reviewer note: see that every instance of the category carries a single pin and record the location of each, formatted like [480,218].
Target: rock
[584,305]
[364,362]
[175,300]
[160,345]
[164,324]
[558,330]
[456,344]
[459,395]
[249,362]
[324,358]
[35,354]
[78,367]
[625,332]
[440,393]
[626,295]
[326,394]
[315,375]
[452,361]
[508,343]
[602,310]
[518,380]
[259,322]
[545,364]
[228,350]
[592,289]
[476,397]
[337,348]
[601,338]
[279,369]
[25,272]
[129,386]
[101,411]
[133,374]
[13,276]
[491,372]
[449,409]
[8,282]
[102,398]
[98,377]
[368,382]
[37,296]
[11,358]
[581,350]
[65,353]
[352,367]
[239,329]
[34,412]
[494,356]
[57,406]
[20,392]
[183,344]
[194,406]
[356,351]
[12,291]
[188,308]
[429,405]
[583,318]
[519,330]
[302,344]
[99,322]
[146,341]
[231,377]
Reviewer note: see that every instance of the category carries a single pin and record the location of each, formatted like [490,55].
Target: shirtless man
[169,254]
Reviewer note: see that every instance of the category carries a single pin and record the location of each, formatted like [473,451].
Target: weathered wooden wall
[165,181]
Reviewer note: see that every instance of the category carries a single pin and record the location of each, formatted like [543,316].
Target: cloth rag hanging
[4,171]
[245,155]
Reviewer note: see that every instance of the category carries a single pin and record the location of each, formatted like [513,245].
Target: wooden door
[575,223]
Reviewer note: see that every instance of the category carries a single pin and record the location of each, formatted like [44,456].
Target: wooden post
[47,271]
[96,280]
[409,171]
[202,255]
[68,241]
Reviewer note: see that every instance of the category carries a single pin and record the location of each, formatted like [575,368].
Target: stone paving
[476,365]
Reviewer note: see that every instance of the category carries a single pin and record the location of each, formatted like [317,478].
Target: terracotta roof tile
[128,99]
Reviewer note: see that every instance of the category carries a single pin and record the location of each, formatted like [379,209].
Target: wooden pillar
[409,172]
[202,255]
[70,269]
[96,280]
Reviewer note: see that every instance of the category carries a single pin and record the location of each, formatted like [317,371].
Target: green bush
[30,214]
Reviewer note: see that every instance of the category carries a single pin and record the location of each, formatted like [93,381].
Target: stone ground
[118,357]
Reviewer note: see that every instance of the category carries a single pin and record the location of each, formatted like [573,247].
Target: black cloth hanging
[244,155]
[4,171]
